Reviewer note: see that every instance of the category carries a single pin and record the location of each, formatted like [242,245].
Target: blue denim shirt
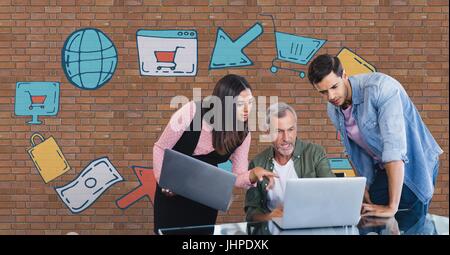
[392,128]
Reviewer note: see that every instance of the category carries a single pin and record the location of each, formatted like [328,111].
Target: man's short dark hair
[322,66]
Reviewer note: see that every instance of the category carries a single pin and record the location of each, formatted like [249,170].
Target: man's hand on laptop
[368,208]
[258,174]
[167,192]
[378,210]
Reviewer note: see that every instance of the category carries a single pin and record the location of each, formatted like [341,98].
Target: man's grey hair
[279,110]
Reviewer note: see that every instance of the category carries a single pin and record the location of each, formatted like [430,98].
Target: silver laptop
[197,180]
[322,202]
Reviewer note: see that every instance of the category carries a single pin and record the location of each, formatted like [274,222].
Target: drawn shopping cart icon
[166,59]
[293,49]
[37,101]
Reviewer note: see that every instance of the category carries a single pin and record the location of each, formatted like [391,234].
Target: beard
[286,151]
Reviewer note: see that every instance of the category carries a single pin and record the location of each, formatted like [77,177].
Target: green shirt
[310,161]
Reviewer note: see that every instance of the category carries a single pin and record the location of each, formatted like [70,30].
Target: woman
[212,145]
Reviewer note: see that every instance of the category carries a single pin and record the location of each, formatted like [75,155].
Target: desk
[402,224]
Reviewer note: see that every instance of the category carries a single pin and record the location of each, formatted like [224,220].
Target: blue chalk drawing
[294,49]
[167,52]
[36,99]
[89,58]
[339,163]
[228,53]
[227,166]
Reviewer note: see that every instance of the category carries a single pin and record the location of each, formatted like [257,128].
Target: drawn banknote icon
[93,181]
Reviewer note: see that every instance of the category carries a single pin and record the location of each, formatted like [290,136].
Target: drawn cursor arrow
[147,188]
[229,53]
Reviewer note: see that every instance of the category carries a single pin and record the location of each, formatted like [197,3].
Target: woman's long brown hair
[225,142]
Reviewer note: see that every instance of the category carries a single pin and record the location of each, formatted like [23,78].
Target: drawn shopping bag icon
[48,158]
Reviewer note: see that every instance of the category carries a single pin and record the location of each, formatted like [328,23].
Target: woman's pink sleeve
[178,123]
[239,158]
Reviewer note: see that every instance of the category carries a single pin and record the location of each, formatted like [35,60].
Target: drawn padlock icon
[48,157]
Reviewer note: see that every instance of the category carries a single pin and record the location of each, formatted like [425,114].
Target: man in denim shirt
[383,135]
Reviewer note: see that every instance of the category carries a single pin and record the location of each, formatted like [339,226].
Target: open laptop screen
[197,180]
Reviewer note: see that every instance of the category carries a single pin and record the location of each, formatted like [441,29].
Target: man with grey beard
[288,157]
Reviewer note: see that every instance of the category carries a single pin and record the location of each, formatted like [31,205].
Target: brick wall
[407,39]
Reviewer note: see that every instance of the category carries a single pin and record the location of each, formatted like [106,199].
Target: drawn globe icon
[89,58]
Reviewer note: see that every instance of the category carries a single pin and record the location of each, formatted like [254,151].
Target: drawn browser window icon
[167,52]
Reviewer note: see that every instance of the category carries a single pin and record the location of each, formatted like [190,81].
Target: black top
[189,140]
